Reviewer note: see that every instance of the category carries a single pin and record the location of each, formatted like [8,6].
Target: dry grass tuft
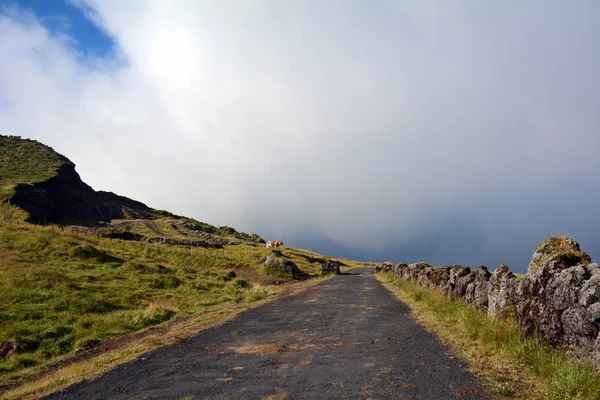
[265,348]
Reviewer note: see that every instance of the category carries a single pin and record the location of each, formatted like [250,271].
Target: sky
[451,132]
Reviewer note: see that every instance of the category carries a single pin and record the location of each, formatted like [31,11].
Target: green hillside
[70,284]
[25,161]
[63,290]
[39,185]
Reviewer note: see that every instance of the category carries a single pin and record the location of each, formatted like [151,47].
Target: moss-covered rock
[280,267]
[557,253]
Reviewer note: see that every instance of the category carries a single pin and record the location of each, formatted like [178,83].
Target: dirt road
[345,338]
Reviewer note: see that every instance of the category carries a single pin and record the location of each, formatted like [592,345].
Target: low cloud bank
[450,133]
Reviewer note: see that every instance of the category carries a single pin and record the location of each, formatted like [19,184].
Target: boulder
[330,267]
[556,252]
[282,266]
[477,290]
[398,268]
[460,278]
[501,290]
[557,299]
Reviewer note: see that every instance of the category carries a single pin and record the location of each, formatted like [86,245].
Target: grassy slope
[175,228]
[25,161]
[70,289]
[62,291]
[513,365]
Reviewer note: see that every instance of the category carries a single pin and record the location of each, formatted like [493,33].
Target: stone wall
[558,298]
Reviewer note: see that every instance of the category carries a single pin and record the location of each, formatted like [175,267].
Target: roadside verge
[511,364]
[129,347]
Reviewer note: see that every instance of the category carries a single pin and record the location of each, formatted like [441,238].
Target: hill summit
[44,184]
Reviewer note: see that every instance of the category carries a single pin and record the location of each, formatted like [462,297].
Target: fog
[448,132]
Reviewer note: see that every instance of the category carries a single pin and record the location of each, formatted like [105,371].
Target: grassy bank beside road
[119,350]
[62,292]
[514,366]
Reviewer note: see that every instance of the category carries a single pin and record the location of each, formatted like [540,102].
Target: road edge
[152,338]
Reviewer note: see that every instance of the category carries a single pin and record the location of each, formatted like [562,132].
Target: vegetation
[28,162]
[64,290]
[25,161]
[514,365]
[565,247]
[174,227]
[72,290]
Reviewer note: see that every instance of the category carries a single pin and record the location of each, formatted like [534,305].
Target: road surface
[347,338]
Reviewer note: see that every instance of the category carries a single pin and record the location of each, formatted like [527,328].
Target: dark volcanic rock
[330,267]
[558,299]
[501,293]
[283,266]
[460,278]
[477,290]
[65,198]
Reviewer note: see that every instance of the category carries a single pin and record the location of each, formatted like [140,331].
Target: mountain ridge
[44,184]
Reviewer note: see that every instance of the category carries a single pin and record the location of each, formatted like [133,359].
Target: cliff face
[65,198]
[45,184]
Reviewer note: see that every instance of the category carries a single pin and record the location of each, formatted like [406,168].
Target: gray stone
[477,290]
[283,266]
[576,322]
[593,312]
[501,293]
[558,299]
[330,267]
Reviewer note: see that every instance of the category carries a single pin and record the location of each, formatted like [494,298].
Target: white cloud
[379,125]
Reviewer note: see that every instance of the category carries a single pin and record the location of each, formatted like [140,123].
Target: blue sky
[65,17]
[447,132]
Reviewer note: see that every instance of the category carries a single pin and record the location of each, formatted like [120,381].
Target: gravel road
[347,337]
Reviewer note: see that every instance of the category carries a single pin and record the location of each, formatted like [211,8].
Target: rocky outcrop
[65,198]
[558,299]
[279,266]
[45,184]
[330,267]
[216,244]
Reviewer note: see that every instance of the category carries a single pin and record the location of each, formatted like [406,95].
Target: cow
[274,244]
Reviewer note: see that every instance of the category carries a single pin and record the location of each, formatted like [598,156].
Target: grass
[308,261]
[68,290]
[127,350]
[513,365]
[62,292]
[565,247]
[25,161]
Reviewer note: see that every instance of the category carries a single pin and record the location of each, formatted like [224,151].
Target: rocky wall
[558,299]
